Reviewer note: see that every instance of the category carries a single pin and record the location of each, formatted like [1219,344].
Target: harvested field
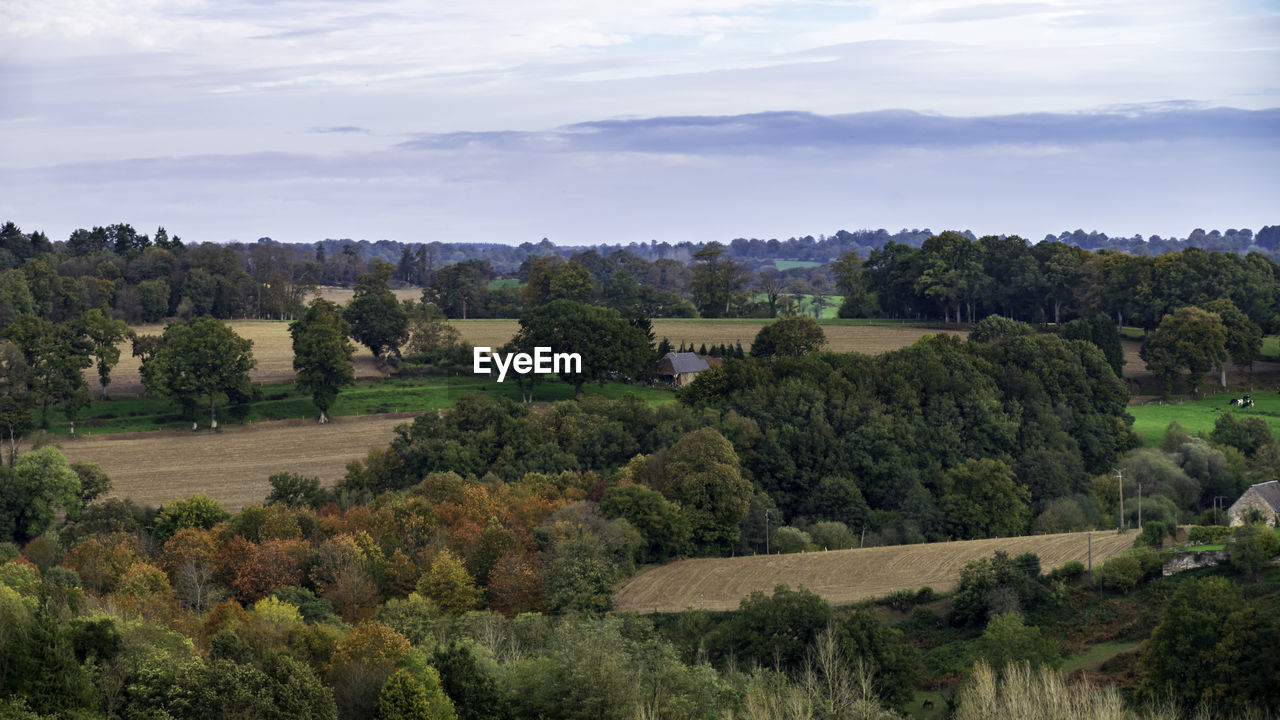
[272,348]
[869,339]
[843,576]
[152,468]
[1142,383]
[342,295]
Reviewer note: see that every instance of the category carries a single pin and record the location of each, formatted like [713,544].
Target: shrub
[787,539]
[1153,533]
[1209,534]
[1121,572]
[1067,570]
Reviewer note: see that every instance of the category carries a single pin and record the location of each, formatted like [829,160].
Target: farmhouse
[1265,497]
[681,368]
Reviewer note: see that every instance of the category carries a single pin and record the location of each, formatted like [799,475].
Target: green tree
[1007,639]
[39,484]
[580,574]
[406,697]
[56,356]
[449,584]
[200,358]
[772,630]
[377,319]
[322,355]
[1187,338]
[1247,435]
[16,399]
[105,335]
[789,336]
[1244,338]
[197,511]
[665,531]
[1250,547]
[1211,646]
[609,345]
[476,695]
[981,499]
[571,281]
[702,473]
[296,490]
[716,280]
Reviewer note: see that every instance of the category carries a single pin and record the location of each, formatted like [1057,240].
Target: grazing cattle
[928,704]
[1245,401]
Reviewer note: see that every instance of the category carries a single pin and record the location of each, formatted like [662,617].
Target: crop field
[343,295]
[272,348]
[843,576]
[231,466]
[842,337]
[1199,415]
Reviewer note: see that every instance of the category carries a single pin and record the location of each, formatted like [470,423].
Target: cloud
[897,128]
[339,129]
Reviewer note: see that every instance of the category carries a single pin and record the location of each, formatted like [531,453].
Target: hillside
[843,576]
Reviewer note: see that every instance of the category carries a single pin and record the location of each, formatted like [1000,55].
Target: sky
[589,121]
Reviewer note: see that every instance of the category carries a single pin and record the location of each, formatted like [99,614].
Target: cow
[928,704]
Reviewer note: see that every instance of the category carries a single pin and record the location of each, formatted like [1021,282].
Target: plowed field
[843,576]
[232,466]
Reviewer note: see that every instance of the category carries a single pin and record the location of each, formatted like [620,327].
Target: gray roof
[1270,492]
[686,362]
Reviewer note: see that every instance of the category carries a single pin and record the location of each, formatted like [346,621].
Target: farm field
[343,295]
[843,576]
[842,337]
[231,466]
[1199,415]
[272,348]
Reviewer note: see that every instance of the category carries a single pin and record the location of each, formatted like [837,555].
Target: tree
[56,356]
[31,492]
[1187,338]
[701,472]
[1244,338]
[377,319]
[203,357]
[1250,547]
[789,336]
[1007,639]
[322,355]
[105,335]
[716,279]
[475,694]
[16,400]
[658,520]
[981,500]
[406,697]
[449,584]
[296,490]
[197,511]
[609,345]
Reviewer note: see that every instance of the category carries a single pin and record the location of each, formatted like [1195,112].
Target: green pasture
[1096,655]
[1199,415]
[806,303]
[505,282]
[130,413]
[793,264]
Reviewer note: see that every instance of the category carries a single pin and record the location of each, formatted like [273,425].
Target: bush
[1121,572]
[1153,533]
[1209,534]
[832,536]
[787,539]
[1068,570]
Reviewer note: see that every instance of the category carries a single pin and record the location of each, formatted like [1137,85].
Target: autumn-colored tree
[227,559]
[188,545]
[361,663]
[273,564]
[144,589]
[515,585]
[102,561]
[492,544]
[449,584]
[401,576]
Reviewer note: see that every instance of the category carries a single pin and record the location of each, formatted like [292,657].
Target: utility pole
[1090,536]
[1120,520]
[1139,506]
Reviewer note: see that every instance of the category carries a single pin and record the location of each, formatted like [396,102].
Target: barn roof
[686,362]
[1269,492]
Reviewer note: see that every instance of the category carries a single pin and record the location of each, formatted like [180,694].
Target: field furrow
[844,576]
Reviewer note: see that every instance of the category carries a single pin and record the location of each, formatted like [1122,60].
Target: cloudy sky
[599,121]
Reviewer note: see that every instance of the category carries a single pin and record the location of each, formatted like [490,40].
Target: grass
[1200,415]
[368,397]
[505,282]
[1206,548]
[1096,655]
[917,709]
[829,310]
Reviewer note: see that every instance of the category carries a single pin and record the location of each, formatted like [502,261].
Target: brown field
[272,348]
[341,295]
[868,339]
[152,468]
[843,576]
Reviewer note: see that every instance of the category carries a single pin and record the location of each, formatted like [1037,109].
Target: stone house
[1263,496]
[681,368]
